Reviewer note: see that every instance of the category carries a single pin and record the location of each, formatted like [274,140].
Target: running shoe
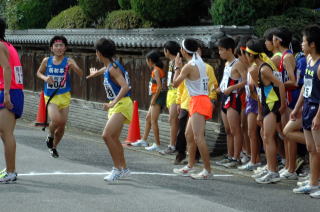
[54,153]
[283,170]
[249,166]
[270,177]
[169,151]
[184,171]
[286,175]
[232,164]
[3,172]
[154,147]
[113,176]
[303,183]
[203,175]
[226,159]
[8,178]
[49,142]
[315,194]
[260,174]
[179,158]
[244,158]
[307,189]
[260,169]
[125,173]
[140,143]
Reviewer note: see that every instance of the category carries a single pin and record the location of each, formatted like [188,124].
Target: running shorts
[125,107]
[202,105]
[61,100]
[171,97]
[17,99]
[309,112]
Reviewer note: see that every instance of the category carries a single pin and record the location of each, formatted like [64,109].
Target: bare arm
[74,66]
[4,63]
[159,85]
[290,64]
[95,72]
[181,75]
[42,70]
[117,75]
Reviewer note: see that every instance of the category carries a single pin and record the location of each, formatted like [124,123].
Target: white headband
[184,47]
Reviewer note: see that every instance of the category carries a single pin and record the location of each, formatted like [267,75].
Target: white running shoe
[154,147]
[140,143]
[125,173]
[114,175]
[303,183]
[305,189]
[184,171]
[315,194]
[283,170]
[259,169]
[260,174]
[8,178]
[203,175]
[286,175]
[270,177]
[249,166]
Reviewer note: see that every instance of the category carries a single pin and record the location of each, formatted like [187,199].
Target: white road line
[104,173]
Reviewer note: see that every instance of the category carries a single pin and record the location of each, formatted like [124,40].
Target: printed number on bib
[56,82]
[109,91]
[18,74]
[205,84]
[307,88]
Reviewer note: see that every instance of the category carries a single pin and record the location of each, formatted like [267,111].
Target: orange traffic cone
[134,128]
[41,116]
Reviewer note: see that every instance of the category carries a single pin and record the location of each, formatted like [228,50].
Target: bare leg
[155,112]
[191,145]
[174,124]
[244,129]
[252,132]
[269,129]
[234,123]
[148,125]
[230,145]
[7,125]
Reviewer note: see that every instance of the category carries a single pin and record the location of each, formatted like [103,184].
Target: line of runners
[257,92]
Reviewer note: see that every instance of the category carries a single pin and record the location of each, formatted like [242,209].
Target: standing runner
[54,71]
[117,86]
[11,102]
[200,109]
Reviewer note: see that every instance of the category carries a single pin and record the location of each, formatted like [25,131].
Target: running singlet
[301,64]
[312,83]
[57,72]
[226,79]
[113,89]
[15,65]
[284,72]
[153,83]
[200,86]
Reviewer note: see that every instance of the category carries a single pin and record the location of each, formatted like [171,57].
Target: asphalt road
[74,182]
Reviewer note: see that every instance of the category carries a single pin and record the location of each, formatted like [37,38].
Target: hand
[71,64]
[93,71]
[107,106]
[178,109]
[7,101]
[218,90]
[295,114]
[178,61]
[315,123]
[282,108]
[49,80]
[153,102]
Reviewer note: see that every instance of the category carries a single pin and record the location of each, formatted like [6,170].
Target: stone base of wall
[89,117]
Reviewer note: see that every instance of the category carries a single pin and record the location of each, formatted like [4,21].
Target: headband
[184,47]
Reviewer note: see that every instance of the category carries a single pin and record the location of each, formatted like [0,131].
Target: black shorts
[309,112]
[231,101]
[162,98]
[275,109]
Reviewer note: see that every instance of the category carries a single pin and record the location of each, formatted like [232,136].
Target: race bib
[307,88]
[150,86]
[224,83]
[109,91]
[56,82]
[18,74]
[247,90]
[205,84]
[259,94]
[278,75]
[169,78]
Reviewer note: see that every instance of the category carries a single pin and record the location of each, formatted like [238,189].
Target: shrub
[96,9]
[123,19]
[169,13]
[25,14]
[73,17]
[294,18]
[124,4]
[57,6]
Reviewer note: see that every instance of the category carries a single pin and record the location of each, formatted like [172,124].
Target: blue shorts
[292,97]
[309,112]
[17,99]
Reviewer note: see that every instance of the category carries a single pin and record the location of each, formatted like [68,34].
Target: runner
[234,79]
[117,86]
[157,90]
[309,98]
[270,106]
[200,109]
[11,102]
[54,71]
[170,50]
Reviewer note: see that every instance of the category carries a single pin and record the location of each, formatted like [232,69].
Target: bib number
[307,88]
[18,75]
[56,82]
[278,75]
[109,91]
[205,84]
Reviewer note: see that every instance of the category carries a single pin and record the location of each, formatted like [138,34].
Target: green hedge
[96,9]
[170,13]
[73,17]
[294,18]
[26,14]
[125,19]
[124,4]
